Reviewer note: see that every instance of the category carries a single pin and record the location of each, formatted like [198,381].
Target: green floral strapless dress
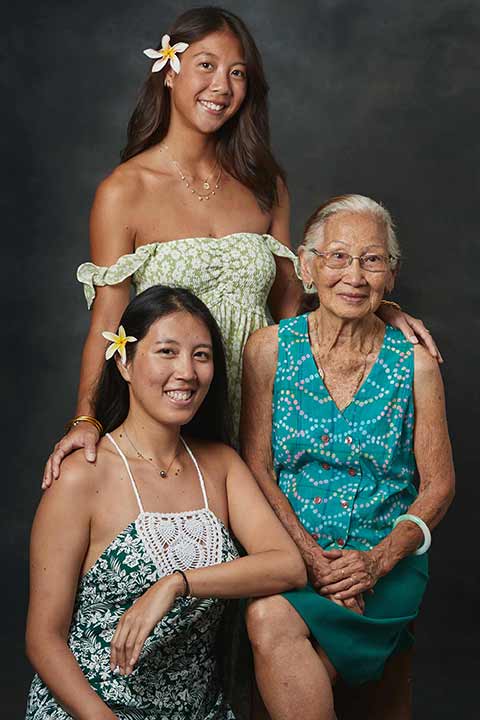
[232,275]
[176,676]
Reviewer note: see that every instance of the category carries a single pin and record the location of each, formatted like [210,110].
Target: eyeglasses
[339,260]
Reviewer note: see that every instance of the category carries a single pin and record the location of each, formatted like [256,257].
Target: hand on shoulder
[76,476]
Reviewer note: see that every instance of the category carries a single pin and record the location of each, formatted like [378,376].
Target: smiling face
[352,292]
[171,371]
[212,82]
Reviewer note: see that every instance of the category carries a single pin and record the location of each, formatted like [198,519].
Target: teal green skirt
[359,645]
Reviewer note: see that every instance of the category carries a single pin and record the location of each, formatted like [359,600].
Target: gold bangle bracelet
[84,418]
[392,304]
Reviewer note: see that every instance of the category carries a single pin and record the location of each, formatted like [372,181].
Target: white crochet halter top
[181,540]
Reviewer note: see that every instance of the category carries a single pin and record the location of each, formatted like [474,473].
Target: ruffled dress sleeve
[91,275]
[281,250]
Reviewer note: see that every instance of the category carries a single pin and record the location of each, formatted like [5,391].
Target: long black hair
[112,400]
[243,143]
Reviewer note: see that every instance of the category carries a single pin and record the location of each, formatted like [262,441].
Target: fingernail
[90,457]
[413,339]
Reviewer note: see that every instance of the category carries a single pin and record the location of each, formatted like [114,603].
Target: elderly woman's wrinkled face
[351,292]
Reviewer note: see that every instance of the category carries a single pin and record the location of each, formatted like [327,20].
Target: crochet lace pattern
[181,541]
[178,541]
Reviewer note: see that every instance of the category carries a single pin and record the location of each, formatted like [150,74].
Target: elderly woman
[355,410]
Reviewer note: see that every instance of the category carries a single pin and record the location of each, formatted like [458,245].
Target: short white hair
[352,204]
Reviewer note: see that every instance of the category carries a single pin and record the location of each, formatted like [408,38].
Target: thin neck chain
[189,185]
[163,473]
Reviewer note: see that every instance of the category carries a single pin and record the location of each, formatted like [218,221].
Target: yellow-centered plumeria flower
[118,343]
[167,54]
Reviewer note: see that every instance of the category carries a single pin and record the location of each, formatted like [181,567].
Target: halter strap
[199,472]
[135,490]
[128,471]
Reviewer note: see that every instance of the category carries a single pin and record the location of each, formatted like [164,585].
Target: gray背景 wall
[378,97]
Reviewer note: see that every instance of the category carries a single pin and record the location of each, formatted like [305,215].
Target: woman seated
[355,410]
[132,558]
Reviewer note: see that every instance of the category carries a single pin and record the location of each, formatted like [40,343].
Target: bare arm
[259,365]
[59,541]
[272,565]
[433,455]
[260,360]
[111,235]
[287,291]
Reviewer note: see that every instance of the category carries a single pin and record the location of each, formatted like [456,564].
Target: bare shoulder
[427,383]
[76,482]
[261,350]
[120,188]
[425,365]
[216,460]
[264,341]
[211,453]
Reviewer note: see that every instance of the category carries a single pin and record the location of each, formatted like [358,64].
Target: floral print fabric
[232,275]
[176,675]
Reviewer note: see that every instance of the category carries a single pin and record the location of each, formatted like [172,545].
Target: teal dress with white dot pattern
[348,475]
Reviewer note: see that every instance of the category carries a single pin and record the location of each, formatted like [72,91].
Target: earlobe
[123,369]
[304,269]
[391,282]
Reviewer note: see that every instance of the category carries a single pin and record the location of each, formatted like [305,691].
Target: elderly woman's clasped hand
[323,575]
[351,572]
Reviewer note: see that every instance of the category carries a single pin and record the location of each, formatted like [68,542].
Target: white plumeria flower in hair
[166,54]
[118,343]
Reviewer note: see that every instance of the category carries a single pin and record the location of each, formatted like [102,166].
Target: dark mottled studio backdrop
[378,97]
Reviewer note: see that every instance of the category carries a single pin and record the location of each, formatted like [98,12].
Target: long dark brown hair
[243,143]
[212,422]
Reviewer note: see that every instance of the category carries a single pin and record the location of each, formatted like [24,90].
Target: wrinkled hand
[137,623]
[413,328]
[353,573]
[357,603]
[84,435]
[319,573]
[318,568]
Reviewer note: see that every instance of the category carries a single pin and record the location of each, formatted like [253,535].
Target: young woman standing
[199,201]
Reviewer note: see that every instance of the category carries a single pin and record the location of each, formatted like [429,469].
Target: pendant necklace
[163,473]
[206,184]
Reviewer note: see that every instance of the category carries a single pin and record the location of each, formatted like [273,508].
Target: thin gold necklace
[163,473]
[321,370]
[189,185]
